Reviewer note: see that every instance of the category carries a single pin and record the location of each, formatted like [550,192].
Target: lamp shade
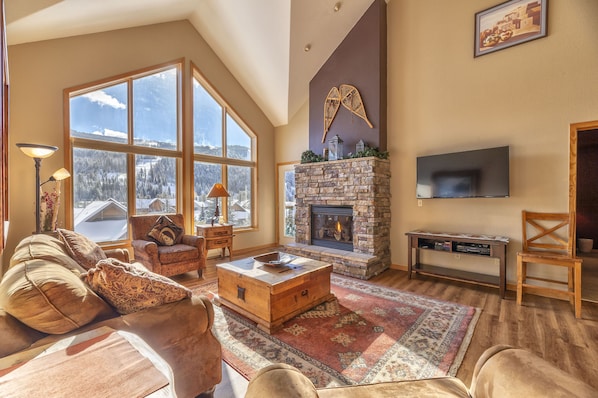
[37,151]
[218,191]
[61,174]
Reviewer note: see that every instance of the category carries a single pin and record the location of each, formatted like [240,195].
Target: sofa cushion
[177,253]
[44,247]
[49,297]
[82,249]
[165,232]
[130,287]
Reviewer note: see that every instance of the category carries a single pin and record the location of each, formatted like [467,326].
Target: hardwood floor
[544,326]
[589,276]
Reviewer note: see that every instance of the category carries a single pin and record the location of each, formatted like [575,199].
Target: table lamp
[217,191]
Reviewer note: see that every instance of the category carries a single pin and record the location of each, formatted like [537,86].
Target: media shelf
[462,244]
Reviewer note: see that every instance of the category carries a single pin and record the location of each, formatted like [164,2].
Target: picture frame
[509,24]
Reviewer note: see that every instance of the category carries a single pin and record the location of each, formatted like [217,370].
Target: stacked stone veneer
[363,184]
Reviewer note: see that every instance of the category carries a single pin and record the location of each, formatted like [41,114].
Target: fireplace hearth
[332,226]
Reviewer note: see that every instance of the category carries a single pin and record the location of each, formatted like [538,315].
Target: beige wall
[442,99]
[293,139]
[39,72]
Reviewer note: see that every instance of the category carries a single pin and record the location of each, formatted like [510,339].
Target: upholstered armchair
[177,255]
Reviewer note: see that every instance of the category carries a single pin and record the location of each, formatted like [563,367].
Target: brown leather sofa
[185,256]
[501,372]
[43,299]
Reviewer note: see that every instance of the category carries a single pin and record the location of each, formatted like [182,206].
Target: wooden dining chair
[548,239]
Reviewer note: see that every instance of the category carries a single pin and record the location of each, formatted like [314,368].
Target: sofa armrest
[199,242]
[504,371]
[280,380]
[181,333]
[16,336]
[193,240]
[145,246]
[146,252]
[119,254]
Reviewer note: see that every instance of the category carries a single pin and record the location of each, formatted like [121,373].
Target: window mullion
[225,200]
[224,142]
[131,177]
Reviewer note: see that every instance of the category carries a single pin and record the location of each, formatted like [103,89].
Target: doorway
[583,200]
[285,200]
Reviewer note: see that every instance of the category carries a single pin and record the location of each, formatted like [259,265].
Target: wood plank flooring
[589,276]
[544,326]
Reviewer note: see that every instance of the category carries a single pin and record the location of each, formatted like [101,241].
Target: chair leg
[571,283]
[521,271]
[200,273]
[577,289]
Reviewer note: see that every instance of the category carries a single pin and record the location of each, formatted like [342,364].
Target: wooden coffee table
[272,295]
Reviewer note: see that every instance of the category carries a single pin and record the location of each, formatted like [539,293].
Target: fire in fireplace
[332,226]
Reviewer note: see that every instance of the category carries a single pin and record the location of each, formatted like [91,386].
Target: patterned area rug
[370,334]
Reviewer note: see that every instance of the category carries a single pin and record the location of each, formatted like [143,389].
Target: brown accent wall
[360,60]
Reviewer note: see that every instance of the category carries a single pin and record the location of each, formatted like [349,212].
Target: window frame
[129,148]
[223,160]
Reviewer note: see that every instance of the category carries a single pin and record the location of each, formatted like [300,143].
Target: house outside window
[125,152]
[224,151]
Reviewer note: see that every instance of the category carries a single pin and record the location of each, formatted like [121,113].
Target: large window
[125,147]
[224,151]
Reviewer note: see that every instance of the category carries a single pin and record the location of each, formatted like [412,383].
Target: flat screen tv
[482,173]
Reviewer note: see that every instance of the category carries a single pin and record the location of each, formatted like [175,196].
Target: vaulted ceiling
[262,42]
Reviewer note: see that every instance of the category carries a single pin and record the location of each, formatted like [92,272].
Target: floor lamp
[37,152]
[217,191]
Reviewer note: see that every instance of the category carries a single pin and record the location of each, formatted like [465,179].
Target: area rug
[369,334]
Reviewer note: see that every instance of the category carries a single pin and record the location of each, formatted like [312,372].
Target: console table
[462,244]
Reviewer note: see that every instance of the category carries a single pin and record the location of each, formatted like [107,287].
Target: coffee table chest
[272,295]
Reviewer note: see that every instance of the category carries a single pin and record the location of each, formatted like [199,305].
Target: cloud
[103,99]
[114,133]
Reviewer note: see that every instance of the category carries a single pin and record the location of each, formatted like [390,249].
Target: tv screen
[482,173]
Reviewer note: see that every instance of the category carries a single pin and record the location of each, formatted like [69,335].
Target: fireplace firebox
[332,226]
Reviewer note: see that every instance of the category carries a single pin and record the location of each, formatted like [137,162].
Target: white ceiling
[262,42]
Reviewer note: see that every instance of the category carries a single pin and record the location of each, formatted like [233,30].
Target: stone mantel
[363,184]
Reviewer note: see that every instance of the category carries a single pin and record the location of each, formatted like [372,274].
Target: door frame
[574,129]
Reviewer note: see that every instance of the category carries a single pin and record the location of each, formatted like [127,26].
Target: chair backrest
[142,224]
[550,232]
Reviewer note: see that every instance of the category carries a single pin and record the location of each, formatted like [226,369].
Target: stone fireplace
[355,238]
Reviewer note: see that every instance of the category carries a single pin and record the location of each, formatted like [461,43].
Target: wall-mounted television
[482,173]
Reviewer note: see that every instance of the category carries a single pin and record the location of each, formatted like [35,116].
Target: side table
[218,236]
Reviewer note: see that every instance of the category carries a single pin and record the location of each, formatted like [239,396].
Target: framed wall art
[508,24]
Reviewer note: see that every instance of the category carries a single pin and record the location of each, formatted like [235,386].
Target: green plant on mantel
[310,157]
[370,152]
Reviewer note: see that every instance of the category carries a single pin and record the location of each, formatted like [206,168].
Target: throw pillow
[82,249]
[165,232]
[130,287]
[49,298]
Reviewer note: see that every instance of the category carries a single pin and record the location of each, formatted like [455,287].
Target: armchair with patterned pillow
[160,243]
